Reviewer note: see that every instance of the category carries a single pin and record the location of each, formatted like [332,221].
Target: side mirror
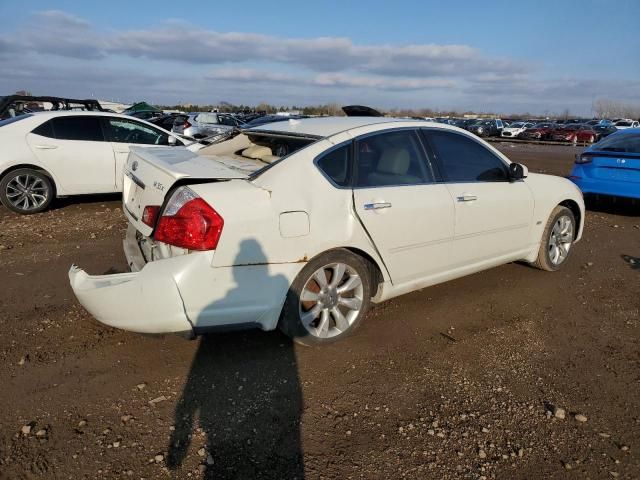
[173,141]
[517,172]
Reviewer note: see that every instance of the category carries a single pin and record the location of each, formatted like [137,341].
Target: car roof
[328,126]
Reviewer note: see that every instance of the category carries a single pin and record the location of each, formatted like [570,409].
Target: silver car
[204,124]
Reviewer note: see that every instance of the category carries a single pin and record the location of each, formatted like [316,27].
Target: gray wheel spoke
[308,296]
[321,277]
[323,325]
[311,315]
[341,322]
[353,303]
[338,273]
[353,282]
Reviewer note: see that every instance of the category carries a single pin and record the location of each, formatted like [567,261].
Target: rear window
[626,143]
[11,120]
[207,118]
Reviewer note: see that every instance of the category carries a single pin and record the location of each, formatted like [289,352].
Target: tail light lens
[582,158]
[186,124]
[189,222]
[150,214]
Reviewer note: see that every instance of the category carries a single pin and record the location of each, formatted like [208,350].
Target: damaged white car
[301,224]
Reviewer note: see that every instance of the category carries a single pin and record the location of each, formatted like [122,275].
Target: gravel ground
[510,373]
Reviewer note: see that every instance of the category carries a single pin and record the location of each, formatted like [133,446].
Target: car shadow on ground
[65,202]
[627,207]
[244,395]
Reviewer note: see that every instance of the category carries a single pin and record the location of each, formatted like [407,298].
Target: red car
[575,133]
[540,131]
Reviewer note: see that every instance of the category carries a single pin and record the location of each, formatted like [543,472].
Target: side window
[45,130]
[462,159]
[127,131]
[78,128]
[227,120]
[336,165]
[392,158]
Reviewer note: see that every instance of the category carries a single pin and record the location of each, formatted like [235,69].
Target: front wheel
[557,240]
[328,299]
[26,191]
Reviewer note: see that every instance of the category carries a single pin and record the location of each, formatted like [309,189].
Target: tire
[550,256]
[335,315]
[26,191]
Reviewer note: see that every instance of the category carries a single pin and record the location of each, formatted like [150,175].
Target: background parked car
[540,131]
[610,167]
[515,129]
[487,127]
[604,130]
[204,124]
[623,124]
[63,153]
[601,122]
[167,120]
[575,133]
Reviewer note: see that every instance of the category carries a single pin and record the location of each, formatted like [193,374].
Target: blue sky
[504,56]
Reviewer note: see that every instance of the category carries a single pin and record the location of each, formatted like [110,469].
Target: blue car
[611,166]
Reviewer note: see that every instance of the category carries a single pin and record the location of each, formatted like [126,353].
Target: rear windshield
[627,143]
[207,118]
[14,119]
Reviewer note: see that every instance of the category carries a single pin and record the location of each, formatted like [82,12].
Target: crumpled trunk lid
[149,175]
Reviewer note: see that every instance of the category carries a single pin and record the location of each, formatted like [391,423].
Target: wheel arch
[375,271]
[575,209]
[31,166]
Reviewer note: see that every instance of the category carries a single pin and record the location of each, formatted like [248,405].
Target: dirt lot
[454,381]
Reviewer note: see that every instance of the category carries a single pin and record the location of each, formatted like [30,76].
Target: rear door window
[391,158]
[462,159]
[80,127]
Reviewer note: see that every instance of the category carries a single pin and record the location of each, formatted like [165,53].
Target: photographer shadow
[243,393]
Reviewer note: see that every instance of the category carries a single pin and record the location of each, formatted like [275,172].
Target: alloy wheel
[560,240]
[331,300]
[27,192]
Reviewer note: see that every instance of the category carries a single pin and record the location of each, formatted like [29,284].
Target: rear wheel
[328,299]
[26,191]
[557,240]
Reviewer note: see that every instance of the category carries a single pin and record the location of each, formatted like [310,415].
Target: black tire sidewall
[22,171]
[289,321]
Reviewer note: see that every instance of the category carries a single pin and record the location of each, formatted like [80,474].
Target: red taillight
[189,222]
[150,214]
[186,124]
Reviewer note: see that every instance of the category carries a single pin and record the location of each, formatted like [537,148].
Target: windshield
[623,124]
[625,142]
[516,125]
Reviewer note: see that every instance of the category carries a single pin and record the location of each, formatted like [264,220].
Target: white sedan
[515,129]
[62,153]
[358,210]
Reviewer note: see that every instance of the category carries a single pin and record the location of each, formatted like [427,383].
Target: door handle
[467,198]
[376,205]
[46,147]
